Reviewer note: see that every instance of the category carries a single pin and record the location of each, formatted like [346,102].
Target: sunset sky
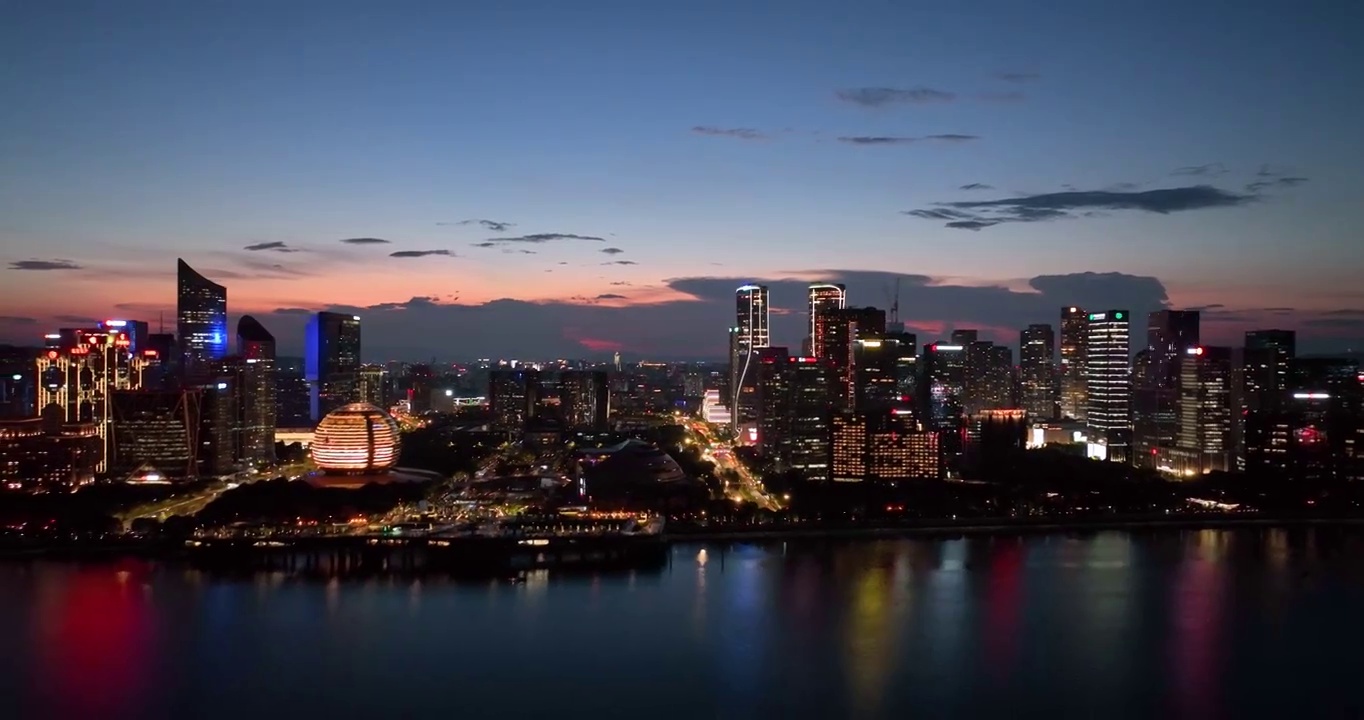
[599,175]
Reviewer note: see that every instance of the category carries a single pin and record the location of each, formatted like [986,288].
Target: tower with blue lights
[201,318]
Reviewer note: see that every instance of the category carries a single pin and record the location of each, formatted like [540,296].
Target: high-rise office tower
[201,317]
[805,444]
[1268,357]
[884,446]
[942,388]
[1155,390]
[751,332]
[964,336]
[822,299]
[157,432]
[255,392]
[772,384]
[1108,380]
[1204,441]
[1313,433]
[1037,371]
[420,381]
[989,377]
[333,361]
[374,386]
[1071,375]
[585,398]
[218,428]
[846,327]
[513,396]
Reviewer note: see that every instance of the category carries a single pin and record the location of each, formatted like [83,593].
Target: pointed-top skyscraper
[201,318]
[255,392]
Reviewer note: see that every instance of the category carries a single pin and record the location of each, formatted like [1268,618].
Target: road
[749,488]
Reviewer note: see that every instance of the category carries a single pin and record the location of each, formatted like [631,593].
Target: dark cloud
[1210,170]
[1011,96]
[494,225]
[611,251]
[538,239]
[1018,77]
[976,186]
[513,251]
[621,262]
[739,133]
[1259,185]
[275,246]
[44,265]
[1070,204]
[419,253]
[484,244]
[610,296]
[896,140]
[17,320]
[882,96]
[366,241]
[294,311]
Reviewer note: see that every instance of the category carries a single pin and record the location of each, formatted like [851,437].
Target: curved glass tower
[750,334]
[201,317]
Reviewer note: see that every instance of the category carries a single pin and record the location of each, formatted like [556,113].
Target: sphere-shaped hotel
[356,439]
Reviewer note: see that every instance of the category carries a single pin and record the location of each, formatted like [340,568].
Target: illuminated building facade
[1071,373]
[822,299]
[848,456]
[255,385]
[751,332]
[1269,354]
[79,370]
[585,399]
[806,445]
[357,439]
[374,386]
[513,395]
[943,385]
[201,319]
[1156,396]
[46,454]
[989,377]
[1037,371]
[1108,381]
[880,366]
[772,383]
[332,347]
[994,439]
[1206,414]
[157,433]
[846,328]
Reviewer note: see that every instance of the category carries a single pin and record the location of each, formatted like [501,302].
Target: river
[1197,624]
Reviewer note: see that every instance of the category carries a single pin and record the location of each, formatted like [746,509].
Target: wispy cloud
[419,253]
[1017,77]
[621,262]
[610,296]
[739,133]
[537,239]
[494,225]
[980,214]
[976,186]
[1208,170]
[44,265]
[611,251]
[275,246]
[366,241]
[874,97]
[901,140]
[1259,185]
[17,320]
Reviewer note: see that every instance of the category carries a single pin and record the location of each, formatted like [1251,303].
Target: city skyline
[419,182]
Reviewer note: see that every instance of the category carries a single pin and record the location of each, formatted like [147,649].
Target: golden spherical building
[356,439]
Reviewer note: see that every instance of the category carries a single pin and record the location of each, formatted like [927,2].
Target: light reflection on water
[1168,624]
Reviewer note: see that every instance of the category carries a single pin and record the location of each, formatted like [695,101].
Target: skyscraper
[256,417]
[585,398]
[201,317]
[1205,414]
[333,361]
[77,375]
[751,332]
[943,386]
[1071,378]
[1037,370]
[805,445]
[846,327]
[1268,356]
[1108,380]
[772,384]
[964,336]
[989,377]
[1155,390]
[513,396]
[823,298]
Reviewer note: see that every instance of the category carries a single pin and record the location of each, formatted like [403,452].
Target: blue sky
[134,132]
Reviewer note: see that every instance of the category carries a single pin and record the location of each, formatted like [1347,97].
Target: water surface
[1216,623]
